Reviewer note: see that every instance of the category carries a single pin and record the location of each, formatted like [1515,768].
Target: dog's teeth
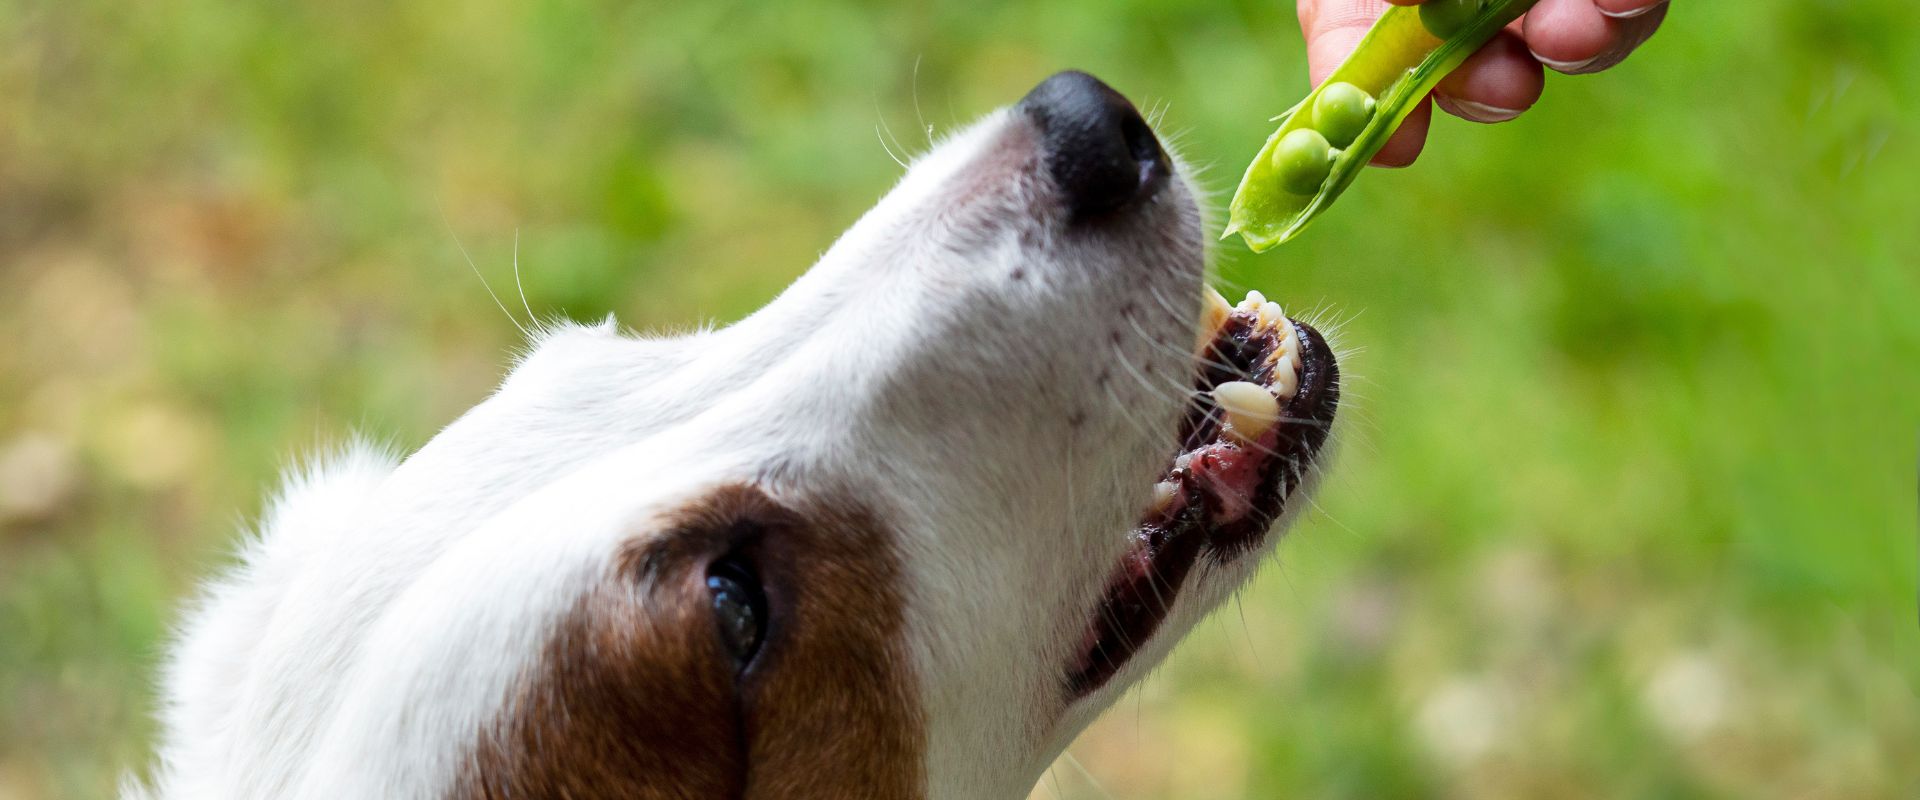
[1212,299]
[1254,301]
[1289,343]
[1249,408]
[1289,347]
[1214,310]
[1270,314]
[1163,494]
[1286,375]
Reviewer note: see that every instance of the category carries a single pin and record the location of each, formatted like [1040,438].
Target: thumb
[1334,27]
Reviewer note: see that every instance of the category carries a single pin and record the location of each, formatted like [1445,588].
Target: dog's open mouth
[1267,390]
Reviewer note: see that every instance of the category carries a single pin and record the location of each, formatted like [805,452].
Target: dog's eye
[739,606]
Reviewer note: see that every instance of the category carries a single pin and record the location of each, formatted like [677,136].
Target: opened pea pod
[1323,143]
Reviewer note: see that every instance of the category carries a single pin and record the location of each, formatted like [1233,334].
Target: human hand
[1503,78]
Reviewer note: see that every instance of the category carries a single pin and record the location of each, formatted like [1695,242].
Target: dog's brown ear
[638,696]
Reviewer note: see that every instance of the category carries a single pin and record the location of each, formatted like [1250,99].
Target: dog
[901,533]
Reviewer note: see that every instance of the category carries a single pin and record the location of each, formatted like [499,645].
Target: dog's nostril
[1101,154]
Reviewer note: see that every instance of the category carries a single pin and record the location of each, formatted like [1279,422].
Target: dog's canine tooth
[1250,409]
[1214,311]
[1214,299]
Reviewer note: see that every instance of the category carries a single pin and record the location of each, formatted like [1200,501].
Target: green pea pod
[1402,58]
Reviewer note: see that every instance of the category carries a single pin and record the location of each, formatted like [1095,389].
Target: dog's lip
[1227,492]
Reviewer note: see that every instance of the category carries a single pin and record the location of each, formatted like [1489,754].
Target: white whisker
[517,285]
[880,132]
[914,85]
[476,270]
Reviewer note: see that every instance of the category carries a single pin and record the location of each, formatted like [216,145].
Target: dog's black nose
[1101,153]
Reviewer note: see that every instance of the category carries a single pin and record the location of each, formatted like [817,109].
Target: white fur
[372,629]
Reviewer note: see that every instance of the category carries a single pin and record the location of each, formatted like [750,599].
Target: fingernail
[1564,66]
[1633,12]
[1478,112]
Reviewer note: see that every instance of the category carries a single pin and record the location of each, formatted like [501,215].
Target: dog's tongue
[1228,475]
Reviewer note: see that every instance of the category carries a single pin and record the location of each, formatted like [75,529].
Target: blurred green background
[1626,507]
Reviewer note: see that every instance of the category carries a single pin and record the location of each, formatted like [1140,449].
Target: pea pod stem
[1397,64]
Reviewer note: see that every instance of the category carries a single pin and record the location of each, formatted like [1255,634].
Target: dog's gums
[1267,387]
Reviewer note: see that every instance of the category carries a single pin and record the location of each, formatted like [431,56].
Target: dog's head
[901,533]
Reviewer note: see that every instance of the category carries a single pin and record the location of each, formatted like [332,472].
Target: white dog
[900,534]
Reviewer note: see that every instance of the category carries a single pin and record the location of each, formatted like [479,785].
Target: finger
[1406,143]
[1495,84]
[1309,10]
[1578,37]
[1567,35]
[1623,9]
[1628,34]
[1333,28]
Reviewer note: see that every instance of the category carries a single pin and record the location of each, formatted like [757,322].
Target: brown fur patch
[637,698]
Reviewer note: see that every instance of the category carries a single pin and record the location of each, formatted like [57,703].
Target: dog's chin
[1266,389]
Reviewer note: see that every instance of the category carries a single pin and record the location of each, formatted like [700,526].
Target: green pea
[1341,112]
[1303,160]
[1444,18]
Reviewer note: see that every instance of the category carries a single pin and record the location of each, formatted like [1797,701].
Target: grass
[1627,507]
